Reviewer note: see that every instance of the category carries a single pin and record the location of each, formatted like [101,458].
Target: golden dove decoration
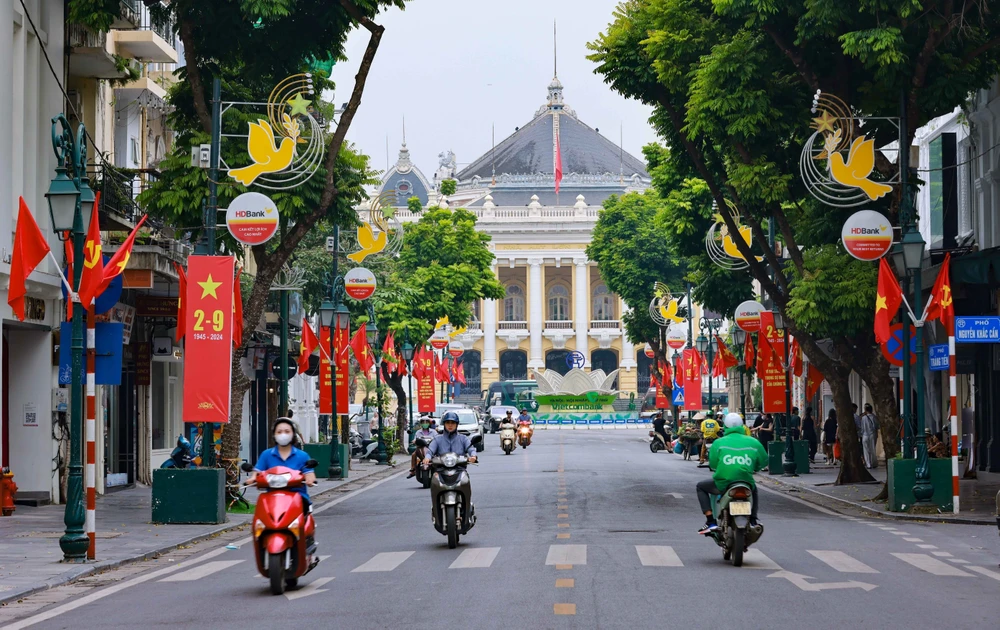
[663,308]
[380,233]
[721,245]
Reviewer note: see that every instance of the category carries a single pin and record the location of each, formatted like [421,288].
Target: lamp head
[326,312]
[701,343]
[62,196]
[913,250]
[371,331]
[342,317]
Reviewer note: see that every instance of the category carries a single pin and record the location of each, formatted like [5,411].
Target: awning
[982,267]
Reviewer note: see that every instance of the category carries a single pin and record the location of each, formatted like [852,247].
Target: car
[468,420]
[497,413]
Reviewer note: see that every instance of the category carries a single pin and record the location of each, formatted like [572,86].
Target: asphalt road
[584,529]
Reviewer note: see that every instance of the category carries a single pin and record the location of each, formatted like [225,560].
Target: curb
[90,569]
[929,518]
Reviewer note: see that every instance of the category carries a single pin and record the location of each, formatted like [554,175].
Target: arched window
[558,303]
[513,304]
[603,303]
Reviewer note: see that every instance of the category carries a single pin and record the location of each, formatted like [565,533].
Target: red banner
[325,393]
[208,311]
[423,368]
[772,376]
[691,366]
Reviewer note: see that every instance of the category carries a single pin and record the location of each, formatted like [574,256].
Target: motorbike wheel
[727,554]
[276,571]
[654,446]
[451,526]
[738,545]
[292,582]
[426,481]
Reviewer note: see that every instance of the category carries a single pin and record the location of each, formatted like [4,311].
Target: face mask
[283,439]
[425,426]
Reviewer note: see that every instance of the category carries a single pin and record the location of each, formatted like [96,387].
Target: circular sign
[359,283]
[676,337]
[867,235]
[440,342]
[748,316]
[109,297]
[892,350]
[575,359]
[456,349]
[649,351]
[252,218]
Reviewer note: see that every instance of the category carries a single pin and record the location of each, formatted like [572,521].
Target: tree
[731,83]
[443,267]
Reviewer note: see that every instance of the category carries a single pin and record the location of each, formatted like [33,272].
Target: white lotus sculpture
[576,382]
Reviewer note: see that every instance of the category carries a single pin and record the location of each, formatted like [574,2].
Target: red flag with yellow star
[942,304]
[887,301]
[748,353]
[359,345]
[308,343]
[813,381]
[116,266]
[795,358]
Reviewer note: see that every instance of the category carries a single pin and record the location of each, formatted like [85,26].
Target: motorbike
[507,437]
[524,433]
[452,510]
[732,512]
[659,442]
[181,456]
[423,475]
[283,542]
[361,448]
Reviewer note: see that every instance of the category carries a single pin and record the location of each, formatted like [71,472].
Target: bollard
[8,492]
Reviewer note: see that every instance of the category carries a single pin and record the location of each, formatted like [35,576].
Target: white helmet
[733,420]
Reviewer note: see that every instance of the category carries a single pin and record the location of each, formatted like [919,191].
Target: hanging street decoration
[209,317]
[286,148]
[720,244]
[663,308]
[359,283]
[252,218]
[830,176]
[748,316]
[770,369]
[456,349]
[380,233]
[676,337]
[325,377]
[867,235]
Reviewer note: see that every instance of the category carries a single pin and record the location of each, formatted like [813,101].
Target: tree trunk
[852,468]
[395,383]
[886,402]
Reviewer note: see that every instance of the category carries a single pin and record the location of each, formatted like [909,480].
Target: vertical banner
[325,386]
[773,376]
[342,358]
[691,363]
[424,369]
[208,311]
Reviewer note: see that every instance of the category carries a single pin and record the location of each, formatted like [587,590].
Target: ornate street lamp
[371,332]
[408,357]
[334,316]
[913,254]
[739,338]
[709,327]
[788,463]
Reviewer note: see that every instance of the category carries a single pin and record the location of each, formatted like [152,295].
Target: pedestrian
[869,436]
[794,423]
[809,433]
[765,432]
[830,436]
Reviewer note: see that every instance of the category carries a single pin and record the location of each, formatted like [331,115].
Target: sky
[453,68]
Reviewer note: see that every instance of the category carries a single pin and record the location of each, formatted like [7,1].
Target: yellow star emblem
[880,303]
[208,287]
[824,123]
[299,105]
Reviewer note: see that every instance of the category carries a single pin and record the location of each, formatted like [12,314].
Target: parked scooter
[524,433]
[452,510]
[423,474]
[732,512]
[282,531]
[507,436]
[361,448]
[181,456]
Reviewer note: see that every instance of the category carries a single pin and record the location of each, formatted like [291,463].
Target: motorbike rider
[425,432]
[450,441]
[284,454]
[709,431]
[659,424]
[733,457]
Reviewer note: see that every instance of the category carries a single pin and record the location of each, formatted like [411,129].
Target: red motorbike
[283,541]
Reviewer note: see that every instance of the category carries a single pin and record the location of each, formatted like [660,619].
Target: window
[603,303]
[558,303]
[943,189]
[513,304]
[160,427]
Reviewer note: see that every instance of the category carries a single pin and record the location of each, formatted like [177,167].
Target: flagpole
[91,432]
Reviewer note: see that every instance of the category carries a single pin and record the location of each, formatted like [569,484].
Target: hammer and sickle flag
[942,304]
[116,266]
[93,262]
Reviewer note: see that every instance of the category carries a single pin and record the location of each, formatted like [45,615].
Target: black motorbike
[423,474]
[451,496]
[181,456]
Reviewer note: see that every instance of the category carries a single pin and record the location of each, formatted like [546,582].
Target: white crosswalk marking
[941,554]
[480,558]
[931,565]
[201,571]
[842,562]
[927,546]
[754,559]
[312,588]
[566,554]
[386,561]
[914,540]
[984,571]
[901,533]
[652,556]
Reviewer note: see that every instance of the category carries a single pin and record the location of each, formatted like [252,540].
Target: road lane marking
[984,571]
[658,556]
[312,588]
[927,546]
[802,581]
[914,539]
[566,554]
[478,558]
[386,561]
[931,565]
[564,609]
[201,571]
[354,493]
[563,525]
[565,583]
[563,516]
[563,567]
[562,535]
[901,533]
[959,561]
[841,561]
[755,559]
[941,554]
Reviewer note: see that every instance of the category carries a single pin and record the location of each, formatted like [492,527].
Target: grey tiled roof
[566,196]
[415,184]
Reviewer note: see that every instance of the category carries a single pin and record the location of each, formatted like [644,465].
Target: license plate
[739,508]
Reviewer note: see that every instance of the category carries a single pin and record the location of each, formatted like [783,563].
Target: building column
[581,290]
[490,333]
[535,313]
[627,360]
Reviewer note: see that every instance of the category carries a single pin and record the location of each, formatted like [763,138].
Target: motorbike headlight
[295,527]
[278,481]
[258,527]
[449,460]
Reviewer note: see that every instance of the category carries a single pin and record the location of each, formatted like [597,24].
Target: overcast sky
[454,67]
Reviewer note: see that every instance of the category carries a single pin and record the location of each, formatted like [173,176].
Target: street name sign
[982,329]
[938,357]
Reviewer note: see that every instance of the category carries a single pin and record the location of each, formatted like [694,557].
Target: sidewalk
[30,557]
[977,500]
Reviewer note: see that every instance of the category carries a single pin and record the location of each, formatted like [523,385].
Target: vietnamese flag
[359,345]
[459,372]
[389,353]
[237,309]
[814,380]
[748,353]
[887,301]
[93,261]
[441,370]
[764,338]
[116,266]
[796,358]
[30,248]
[729,359]
[308,343]
[182,291]
[942,304]
[668,373]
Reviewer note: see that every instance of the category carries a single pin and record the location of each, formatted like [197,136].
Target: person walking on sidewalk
[830,436]
[809,433]
[869,436]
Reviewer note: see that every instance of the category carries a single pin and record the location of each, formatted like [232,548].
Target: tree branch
[993,43]
[186,32]
[795,56]
[934,38]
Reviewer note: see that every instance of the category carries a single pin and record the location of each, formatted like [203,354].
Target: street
[584,529]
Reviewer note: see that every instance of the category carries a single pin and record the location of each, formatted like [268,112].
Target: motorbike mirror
[245,467]
[476,440]
[312,463]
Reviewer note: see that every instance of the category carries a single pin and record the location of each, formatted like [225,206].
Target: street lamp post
[740,337]
[899,262]
[408,357]
[690,337]
[71,202]
[335,317]
[371,331]
[706,346]
[788,463]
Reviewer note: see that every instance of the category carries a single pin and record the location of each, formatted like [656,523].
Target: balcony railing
[119,189]
[512,325]
[612,324]
[558,324]
[82,37]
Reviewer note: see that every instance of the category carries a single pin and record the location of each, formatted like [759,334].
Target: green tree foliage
[448,187]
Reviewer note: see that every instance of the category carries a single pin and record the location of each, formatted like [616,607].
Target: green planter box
[321,453]
[776,453]
[345,460]
[902,476]
[189,495]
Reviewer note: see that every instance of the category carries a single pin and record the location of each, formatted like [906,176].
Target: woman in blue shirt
[284,454]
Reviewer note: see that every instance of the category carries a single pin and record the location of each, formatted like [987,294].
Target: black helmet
[449,416]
